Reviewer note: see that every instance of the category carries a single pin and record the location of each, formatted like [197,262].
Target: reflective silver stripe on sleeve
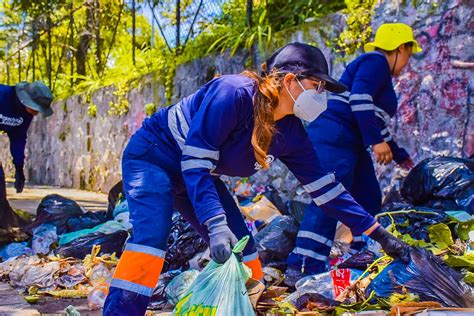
[382,115]
[362,107]
[173,126]
[385,132]
[196,163]
[309,253]
[330,195]
[310,235]
[360,97]
[182,120]
[338,98]
[388,138]
[320,183]
[345,94]
[200,152]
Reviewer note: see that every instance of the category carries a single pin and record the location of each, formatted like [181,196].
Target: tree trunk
[85,40]
[98,40]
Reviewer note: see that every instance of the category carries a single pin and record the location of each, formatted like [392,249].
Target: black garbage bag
[277,239]
[65,214]
[296,209]
[412,220]
[158,299]
[359,261]
[11,225]
[56,210]
[183,244]
[446,179]
[86,220]
[273,196]
[426,276]
[82,246]
[116,194]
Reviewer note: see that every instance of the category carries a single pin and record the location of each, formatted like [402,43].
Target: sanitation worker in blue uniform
[234,125]
[355,125]
[18,105]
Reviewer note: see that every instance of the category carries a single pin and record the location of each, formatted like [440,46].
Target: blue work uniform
[174,162]
[14,121]
[341,137]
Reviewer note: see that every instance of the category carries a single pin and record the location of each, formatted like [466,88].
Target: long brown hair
[265,101]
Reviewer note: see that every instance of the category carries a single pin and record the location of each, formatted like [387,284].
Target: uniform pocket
[137,147]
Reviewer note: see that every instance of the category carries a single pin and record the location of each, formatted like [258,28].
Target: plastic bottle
[96,297]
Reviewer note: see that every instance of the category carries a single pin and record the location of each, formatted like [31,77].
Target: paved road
[31,196]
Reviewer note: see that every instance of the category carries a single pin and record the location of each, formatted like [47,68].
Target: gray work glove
[392,246]
[221,238]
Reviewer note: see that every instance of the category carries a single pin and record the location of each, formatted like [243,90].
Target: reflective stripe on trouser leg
[139,269]
[313,242]
[253,262]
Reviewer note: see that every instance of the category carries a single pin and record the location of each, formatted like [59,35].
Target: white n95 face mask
[309,104]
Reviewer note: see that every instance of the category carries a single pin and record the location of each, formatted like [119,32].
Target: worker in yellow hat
[355,125]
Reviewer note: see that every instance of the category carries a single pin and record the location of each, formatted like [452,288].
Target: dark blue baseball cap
[304,60]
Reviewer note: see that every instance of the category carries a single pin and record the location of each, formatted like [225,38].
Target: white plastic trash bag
[219,290]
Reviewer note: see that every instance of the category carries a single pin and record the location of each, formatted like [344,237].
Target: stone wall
[73,149]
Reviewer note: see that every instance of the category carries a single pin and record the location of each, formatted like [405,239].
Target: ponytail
[265,101]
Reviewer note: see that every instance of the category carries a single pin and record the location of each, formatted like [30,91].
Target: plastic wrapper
[178,287]
[40,274]
[183,244]
[440,182]
[263,209]
[14,250]
[322,284]
[73,276]
[426,276]
[277,239]
[82,246]
[43,237]
[219,289]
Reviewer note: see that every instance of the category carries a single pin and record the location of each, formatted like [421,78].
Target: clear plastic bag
[180,285]
[43,237]
[219,289]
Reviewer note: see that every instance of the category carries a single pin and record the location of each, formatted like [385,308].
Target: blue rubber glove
[221,238]
[392,246]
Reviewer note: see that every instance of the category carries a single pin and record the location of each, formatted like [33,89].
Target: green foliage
[464,261]
[469,277]
[359,29]
[43,40]
[440,236]
[463,229]
[150,108]
[92,110]
[233,30]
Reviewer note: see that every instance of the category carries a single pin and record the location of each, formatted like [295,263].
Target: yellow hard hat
[390,36]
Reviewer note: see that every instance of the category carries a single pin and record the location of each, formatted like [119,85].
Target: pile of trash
[432,211]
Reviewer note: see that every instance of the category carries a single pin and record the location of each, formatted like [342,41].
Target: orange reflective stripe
[139,268]
[256,266]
